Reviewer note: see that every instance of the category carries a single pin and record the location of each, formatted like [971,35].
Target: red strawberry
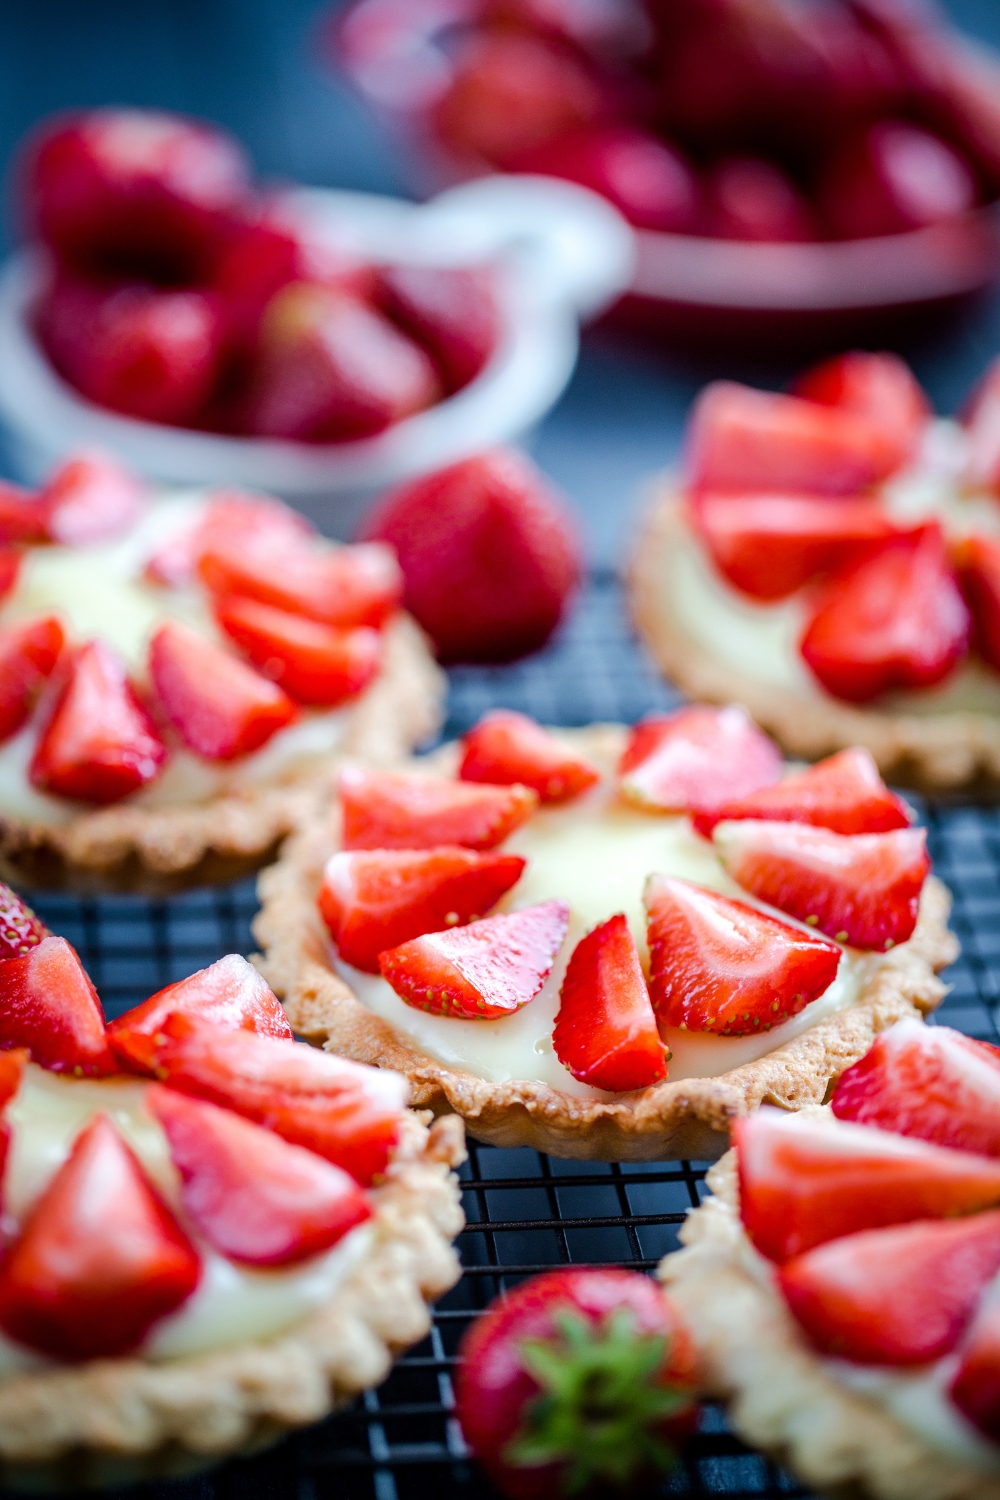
[880,386]
[862,889]
[576,1379]
[228,993]
[20,929]
[506,748]
[28,655]
[893,177]
[804,1181]
[605,1032]
[490,555]
[23,517]
[12,1066]
[978,559]
[10,568]
[696,758]
[768,546]
[926,1081]
[345,587]
[897,1296]
[647,179]
[843,792]
[272,526]
[376,899]
[743,441]
[220,707]
[343,1111]
[975,1389]
[480,972]
[895,619]
[254,1197]
[313,662]
[100,1258]
[394,810]
[48,1004]
[99,743]
[982,423]
[718,965]
[451,310]
[752,199]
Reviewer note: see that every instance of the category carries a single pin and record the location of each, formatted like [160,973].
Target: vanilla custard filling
[232,1304]
[595,853]
[99,591]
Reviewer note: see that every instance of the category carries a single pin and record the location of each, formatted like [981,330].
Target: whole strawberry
[20,929]
[577,1380]
[489,554]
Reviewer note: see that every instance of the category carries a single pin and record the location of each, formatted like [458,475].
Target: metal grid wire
[526,1212]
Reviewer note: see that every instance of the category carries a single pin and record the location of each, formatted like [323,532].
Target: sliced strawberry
[100,1259]
[768,546]
[718,965]
[696,758]
[506,747]
[20,929]
[804,1181]
[978,560]
[346,586]
[376,899]
[228,993]
[897,1296]
[926,1081]
[744,441]
[12,1065]
[392,810]
[220,707]
[99,743]
[862,889]
[48,1004]
[879,386]
[895,619]
[480,972]
[605,1032]
[315,663]
[983,431]
[843,792]
[344,1111]
[89,499]
[23,515]
[227,514]
[255,1197]
[975,1389]
[28,655]
[451,310]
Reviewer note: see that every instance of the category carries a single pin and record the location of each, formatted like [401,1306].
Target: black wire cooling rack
[526,1212]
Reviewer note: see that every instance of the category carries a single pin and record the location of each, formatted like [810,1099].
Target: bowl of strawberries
[803,170]
[317,344]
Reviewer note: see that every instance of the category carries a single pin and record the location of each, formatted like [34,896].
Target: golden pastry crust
[689,1118]
[157,850]
[753,1355]
[934,752]
[117,1417]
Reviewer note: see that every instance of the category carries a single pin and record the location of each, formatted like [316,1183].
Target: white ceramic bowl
[562,254]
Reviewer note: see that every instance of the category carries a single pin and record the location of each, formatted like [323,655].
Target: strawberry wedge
[506,747]
[879,386]
[696,758]
[899,1296]
[90,498]
[926,1081]
[480,972]
[862,889]
[605,1032]
[315,663]
[48,1004]
[20,929]
[12,1066]
[978,560]
[345,587]
[844,792]
[220,707]
[392,810]
[269,522]
[718,965]
[376,899]
[975,1389]
[805,1181]
[28,655]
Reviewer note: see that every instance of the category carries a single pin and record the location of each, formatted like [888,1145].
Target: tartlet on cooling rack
[840,1284]
[214,1233]
[831,560]
[177,676]
[536,1025]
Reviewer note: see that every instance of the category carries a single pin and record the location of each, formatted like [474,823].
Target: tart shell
[753,1355]
[939,752]
[687,1119]
[122,1420]
[157,851]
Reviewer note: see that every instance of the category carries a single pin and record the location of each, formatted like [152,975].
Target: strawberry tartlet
[682,927]
[212,1232]
[842,1283]
[831,559]
[176,673]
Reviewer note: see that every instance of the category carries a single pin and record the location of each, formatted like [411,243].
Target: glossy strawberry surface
[844,792]
[90,498]
[344,587]
[28,655]
[646,178]
[605,1031]
[507,747]
[315,663]
[49,1005]
[719,965]
[451,310]
[486,970]
[696,758]
[880,386]
[894,177]
[258,521]
[395,810]
[753,200]
[20,929]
